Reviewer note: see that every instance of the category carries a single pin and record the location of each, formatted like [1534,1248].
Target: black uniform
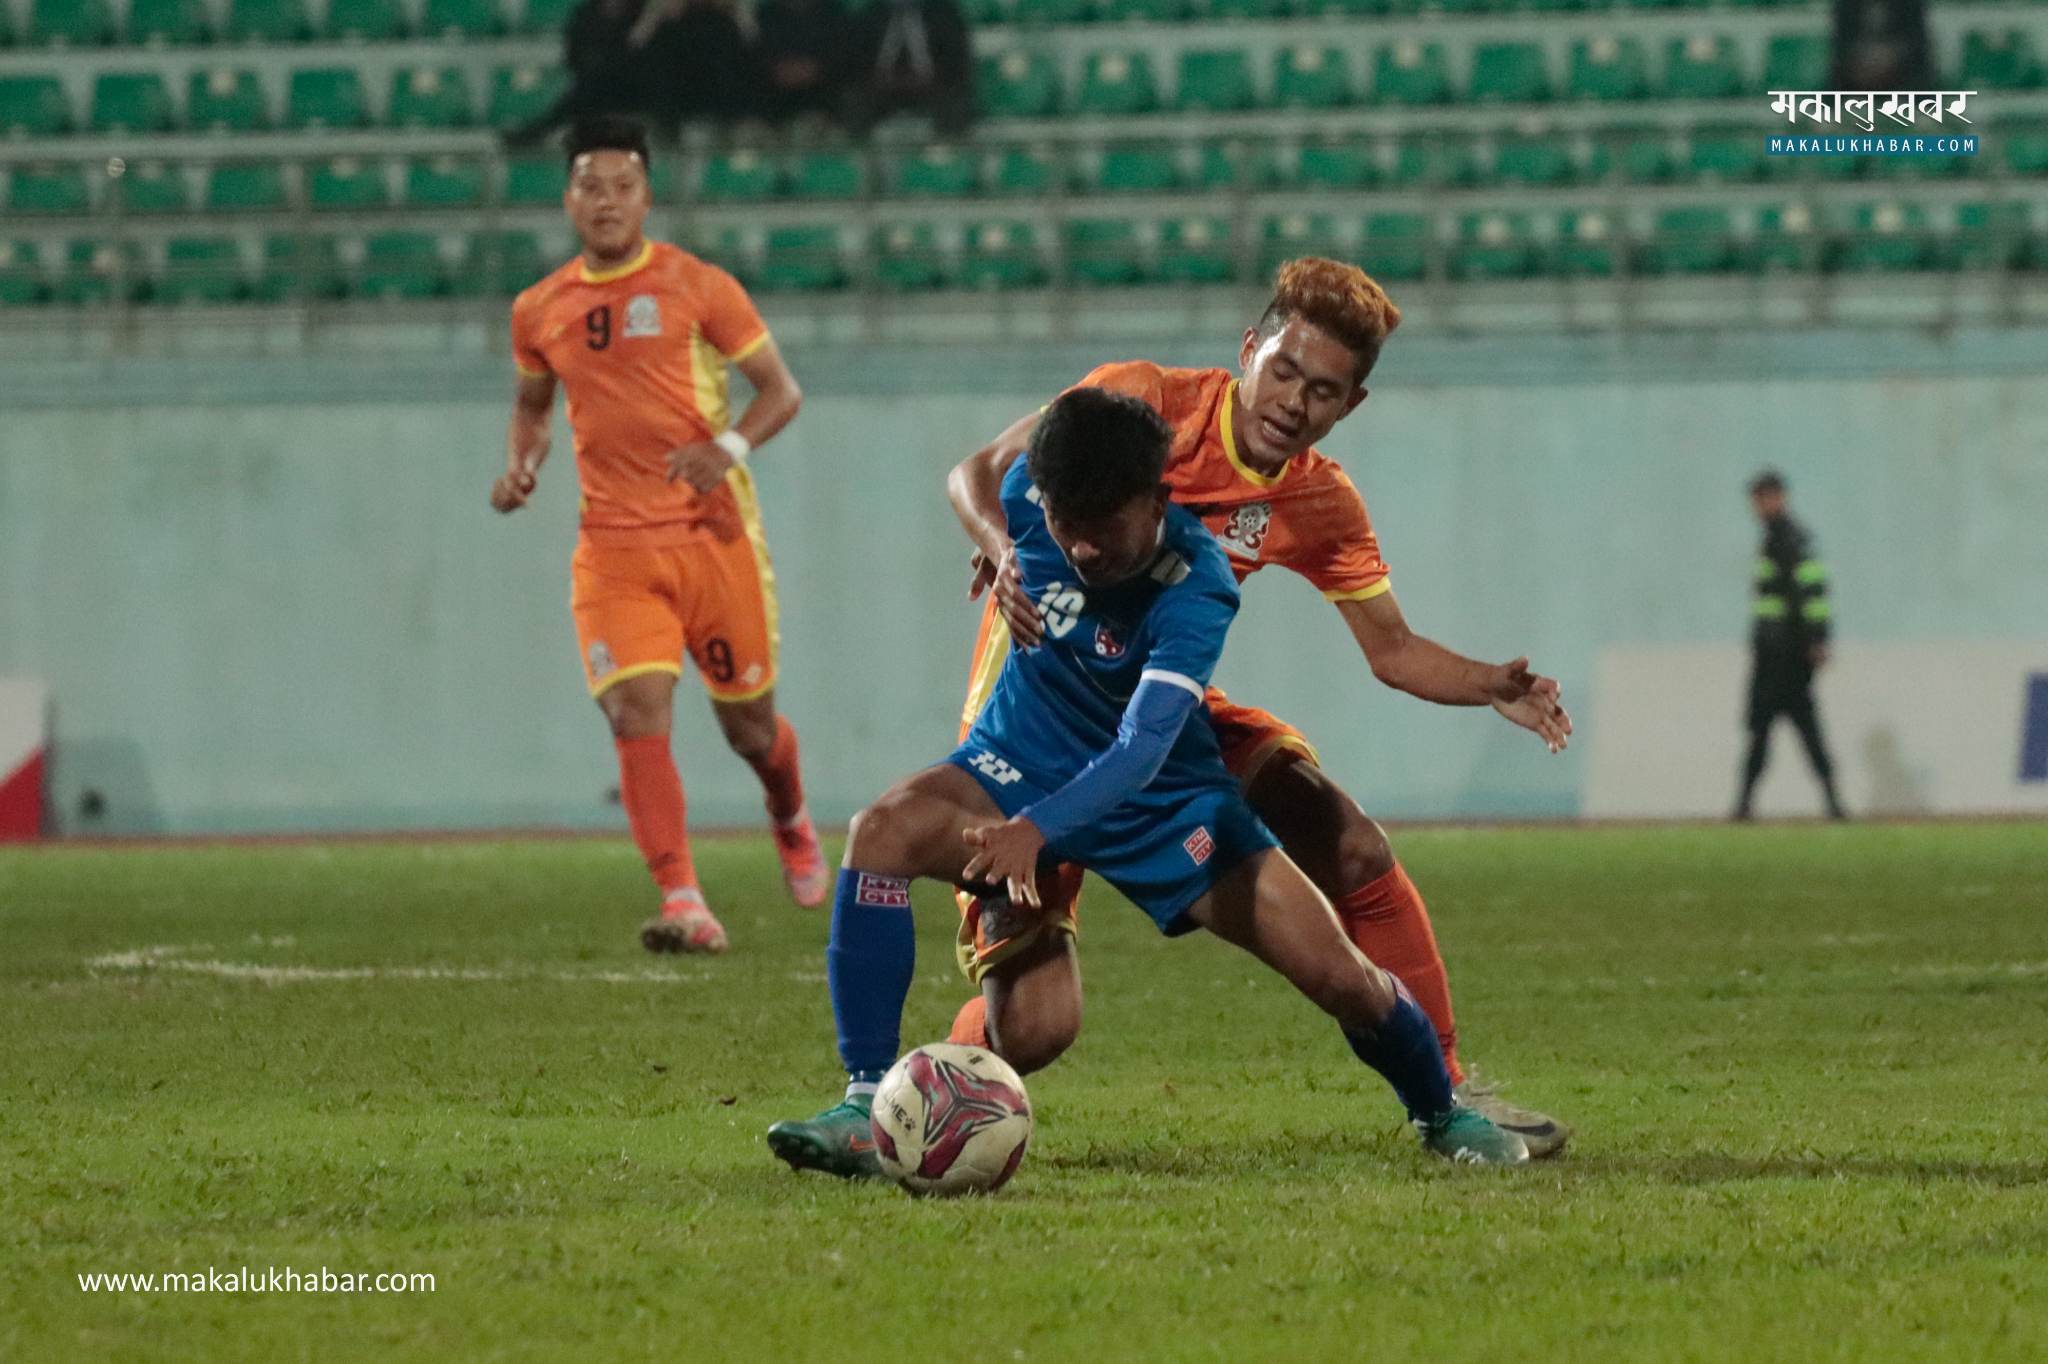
[1792,611]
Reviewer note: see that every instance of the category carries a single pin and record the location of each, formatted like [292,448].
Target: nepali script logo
[1917,123]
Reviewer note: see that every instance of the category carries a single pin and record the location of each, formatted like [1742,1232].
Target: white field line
[173,957]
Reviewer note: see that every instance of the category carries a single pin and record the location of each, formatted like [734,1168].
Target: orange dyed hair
[1336,298]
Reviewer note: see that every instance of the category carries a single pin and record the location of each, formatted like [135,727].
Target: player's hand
[1007,855]
[703,466]
[1819,654]
[1004,578]
[512,489]
[1534,702]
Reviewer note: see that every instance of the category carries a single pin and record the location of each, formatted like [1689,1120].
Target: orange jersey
[1308,517]
[642,352]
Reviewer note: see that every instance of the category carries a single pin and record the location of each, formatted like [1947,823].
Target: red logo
[1199,846]
[1107,644]
[882,892]
[959,1103]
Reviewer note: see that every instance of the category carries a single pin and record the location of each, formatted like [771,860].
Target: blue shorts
[1164,848]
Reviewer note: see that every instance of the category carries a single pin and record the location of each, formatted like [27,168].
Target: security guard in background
[1790,641]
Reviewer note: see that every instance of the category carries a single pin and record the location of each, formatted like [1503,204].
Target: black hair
[607,133]
[1769,481]
[1093,451]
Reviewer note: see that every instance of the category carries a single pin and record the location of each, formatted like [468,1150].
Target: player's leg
[1267,906]
[1805,718]
[1762,712]
[912,831]
[765,740]
[1032,1001]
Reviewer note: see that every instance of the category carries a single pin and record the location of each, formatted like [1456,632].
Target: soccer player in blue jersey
[1084,754]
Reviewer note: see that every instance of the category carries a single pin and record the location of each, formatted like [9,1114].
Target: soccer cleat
[1465,1136]
[1544,1135]
[685,924]
[803,865]
[840,1141]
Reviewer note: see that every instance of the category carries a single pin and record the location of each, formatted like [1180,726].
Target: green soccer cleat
[1468,1137]
[840,1141]
[1544,1135]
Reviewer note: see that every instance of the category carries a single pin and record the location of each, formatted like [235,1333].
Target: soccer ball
[951,1120]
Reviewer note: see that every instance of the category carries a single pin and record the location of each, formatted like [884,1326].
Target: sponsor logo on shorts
[601,664]
[1107,644]
[882,892]
[643,316]
[1199,846]
[994,768]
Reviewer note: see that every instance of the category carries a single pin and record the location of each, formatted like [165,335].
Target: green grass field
[1808,1068]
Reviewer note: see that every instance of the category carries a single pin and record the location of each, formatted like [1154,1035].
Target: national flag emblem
[1199,846]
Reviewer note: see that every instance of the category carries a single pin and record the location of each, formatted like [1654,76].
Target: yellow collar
[639,262]
[1250,475]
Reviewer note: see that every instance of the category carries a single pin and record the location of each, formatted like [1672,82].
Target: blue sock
[869,963]
[1404,1049]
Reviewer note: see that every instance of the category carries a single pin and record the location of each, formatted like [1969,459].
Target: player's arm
[975,487]
[1423,668]
[527,437]
[777,398]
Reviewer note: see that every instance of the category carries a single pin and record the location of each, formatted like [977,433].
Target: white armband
[734,444]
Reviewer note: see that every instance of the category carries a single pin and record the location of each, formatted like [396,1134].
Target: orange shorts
[1251,738]
[639,608]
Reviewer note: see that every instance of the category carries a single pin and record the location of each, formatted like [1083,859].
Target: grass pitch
[1806,1066]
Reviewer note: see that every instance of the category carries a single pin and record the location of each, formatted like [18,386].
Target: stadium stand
[215,151]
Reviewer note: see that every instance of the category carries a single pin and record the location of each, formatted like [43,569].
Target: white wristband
[734,444]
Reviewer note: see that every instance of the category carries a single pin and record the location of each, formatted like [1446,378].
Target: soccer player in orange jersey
[671,557]
[1244,459]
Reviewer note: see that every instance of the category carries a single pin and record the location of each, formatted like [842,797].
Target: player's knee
[632,716]
[1363,853]
[1033,1041]
[1354,992]
[878,835]
[751,741]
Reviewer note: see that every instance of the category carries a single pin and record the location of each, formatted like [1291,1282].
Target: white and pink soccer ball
[950,1119]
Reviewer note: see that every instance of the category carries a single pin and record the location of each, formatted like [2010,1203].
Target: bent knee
[1363,853]
[1035,1044]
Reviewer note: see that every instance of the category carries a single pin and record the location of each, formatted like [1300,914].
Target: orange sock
[970,1025]
[781,774]
[652,790]
[1390,924]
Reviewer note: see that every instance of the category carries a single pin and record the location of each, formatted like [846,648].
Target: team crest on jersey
[1246,530]
[1199,846]
[1106,642]
[601,665]
[643,316]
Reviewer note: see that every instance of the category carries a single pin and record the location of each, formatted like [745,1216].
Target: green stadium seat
[364,20]
[219,99]
[1561,6]
[1001,255]
[545,16]
[131,103]
[1137,168]
[422,97]
[268,21]
[1117,83]
[153,187]
[1307,77]
[444,182]
[521,94]
[245,187]
[1436,159]
[1640,156]
[804,258]
[45,189]
[535,180]
[830,175]
[200,270]
[1397,245]
[1607,67]
[1689,241]
[98,271]
[938,172]
[2026,147]
[402,264]
[1018,85]
[299,265]
[2001,60]
[344,184]
[1238,9]
[1732,151]
[1284,238]
[1104,251]
[1660,4]
[1786,238]
[1796,61]
[1218,165]
[1886,236]
[1409,72]
[734,250]
[33,106]
[739,177]
[7,37]
[907,258]
[461,19]
[1702,67]
[1332,165]
[1144,11]
[1509,73]
[158,23]
[1988,236]
[71,23]
[1497,245]
[1219,81]
[1535,159]
[985,13]
[21,276]
[499,264]
[1043,12]
[1026,171]
[1195,251]
[326,97]
[1348,9]
[1587,244]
